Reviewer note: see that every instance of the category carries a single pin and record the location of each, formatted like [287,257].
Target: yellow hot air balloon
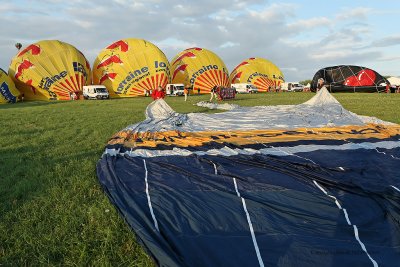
[264,74]
[199,68]
[8,92]
[130,67]
[50,70]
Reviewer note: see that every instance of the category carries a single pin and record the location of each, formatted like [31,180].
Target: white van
[175,89]
[292,87]
[297,87]
[245,88]
[95,92]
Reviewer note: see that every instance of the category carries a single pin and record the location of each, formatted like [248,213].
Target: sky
[300,37]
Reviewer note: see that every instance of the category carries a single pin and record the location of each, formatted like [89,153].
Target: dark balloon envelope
[348,78]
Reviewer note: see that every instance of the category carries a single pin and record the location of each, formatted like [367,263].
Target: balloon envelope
[258,71]
[8,91]
[129,67]
[199,68]
[50,70]
[348,78]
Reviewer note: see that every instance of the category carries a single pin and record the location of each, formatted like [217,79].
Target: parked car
[292,87]
[245,88]
[296,87]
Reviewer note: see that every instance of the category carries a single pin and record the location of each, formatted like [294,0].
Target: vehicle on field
[292,87]
[245,88]
[174,89]
[95,92]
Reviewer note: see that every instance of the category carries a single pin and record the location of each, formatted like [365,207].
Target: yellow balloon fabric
[8,91]
[50,70]
[199,68]
[258,71]
[130,67]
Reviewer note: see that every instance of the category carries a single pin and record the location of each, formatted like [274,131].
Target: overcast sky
[300,37]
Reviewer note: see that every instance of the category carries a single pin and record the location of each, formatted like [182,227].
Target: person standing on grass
[158,93]
[186,93]
[213,93]
[320,84]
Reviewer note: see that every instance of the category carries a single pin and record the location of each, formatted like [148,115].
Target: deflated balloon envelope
[50,70]
[258,71]
[199,68]
[130,67]
[348,78]
[288,185]
[8,92]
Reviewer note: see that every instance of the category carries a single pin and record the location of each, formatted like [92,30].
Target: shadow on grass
[244,97]
[30,104]
[37,103]
[26,175]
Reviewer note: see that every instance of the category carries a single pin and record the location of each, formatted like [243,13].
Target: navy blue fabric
[202,221]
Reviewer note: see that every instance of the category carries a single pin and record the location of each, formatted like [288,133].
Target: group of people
[73,96]
[160,93]
[213,93]
[320,84]
[392,89]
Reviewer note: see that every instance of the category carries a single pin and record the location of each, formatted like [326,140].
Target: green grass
[52,209]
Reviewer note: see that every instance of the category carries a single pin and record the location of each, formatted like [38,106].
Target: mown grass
[52,209]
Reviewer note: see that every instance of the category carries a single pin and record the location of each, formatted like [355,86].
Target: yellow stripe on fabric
[193,139]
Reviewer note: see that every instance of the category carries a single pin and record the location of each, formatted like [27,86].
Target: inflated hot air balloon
[8,92]
[347,78]
[50,70]
[199,68]
[130,67]
[264,74]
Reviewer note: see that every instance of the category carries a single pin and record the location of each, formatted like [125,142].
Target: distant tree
[305,82]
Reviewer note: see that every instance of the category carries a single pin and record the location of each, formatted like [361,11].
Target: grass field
[52,209]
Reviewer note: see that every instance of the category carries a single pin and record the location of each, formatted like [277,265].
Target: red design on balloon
[364,77]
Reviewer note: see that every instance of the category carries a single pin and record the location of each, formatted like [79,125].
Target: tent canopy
[394,81]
